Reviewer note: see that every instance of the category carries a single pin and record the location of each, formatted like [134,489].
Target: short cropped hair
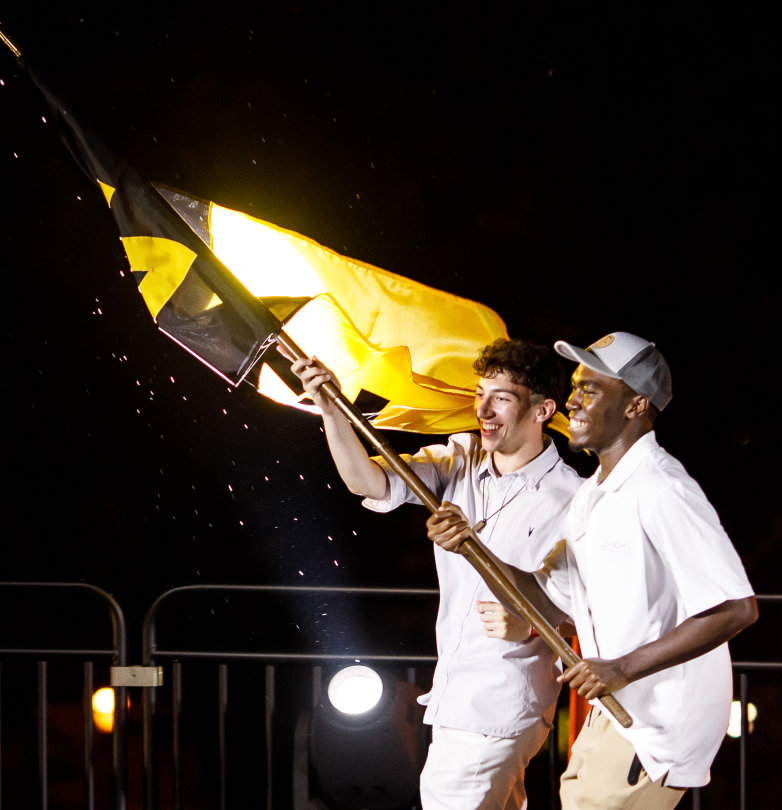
[526,363]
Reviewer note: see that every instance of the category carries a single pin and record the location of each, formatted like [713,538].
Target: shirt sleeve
[434,465]
[686,531]
[554,577]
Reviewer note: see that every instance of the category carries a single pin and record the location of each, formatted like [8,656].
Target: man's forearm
[692,638]
[361,475]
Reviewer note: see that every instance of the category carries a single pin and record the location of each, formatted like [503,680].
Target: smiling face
[598,409]
[506,414]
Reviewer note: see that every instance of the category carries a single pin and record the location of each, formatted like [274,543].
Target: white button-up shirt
[644,551]
[481,684]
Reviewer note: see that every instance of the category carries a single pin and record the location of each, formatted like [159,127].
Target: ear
[545,410]
[638,407]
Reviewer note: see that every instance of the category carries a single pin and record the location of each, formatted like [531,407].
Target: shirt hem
[673,779]
[506,733]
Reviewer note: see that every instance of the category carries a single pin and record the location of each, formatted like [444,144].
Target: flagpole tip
[10,43]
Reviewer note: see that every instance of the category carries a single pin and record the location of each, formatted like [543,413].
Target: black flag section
[193,296]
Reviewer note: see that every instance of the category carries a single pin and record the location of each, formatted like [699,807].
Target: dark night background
[580,169]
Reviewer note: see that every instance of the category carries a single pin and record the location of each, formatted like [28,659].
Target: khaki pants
[596,776]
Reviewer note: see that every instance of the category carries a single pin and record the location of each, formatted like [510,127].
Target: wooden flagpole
[471,548]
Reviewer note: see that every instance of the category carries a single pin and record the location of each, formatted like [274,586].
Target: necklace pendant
[479,526]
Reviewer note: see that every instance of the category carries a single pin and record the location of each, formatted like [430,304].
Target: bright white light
[103,709]
[354,690]
[264,258]
[103,700]
[734,726]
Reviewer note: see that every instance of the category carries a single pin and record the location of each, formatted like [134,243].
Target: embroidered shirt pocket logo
[615,546]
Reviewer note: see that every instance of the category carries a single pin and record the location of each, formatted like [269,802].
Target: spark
[266,477]
[172,379]
[241,523]
[302,477]
[337,564]
[78,197]
[329,536]
[15,155]
[230,488]
[43,119]
[225,411]
[301,572]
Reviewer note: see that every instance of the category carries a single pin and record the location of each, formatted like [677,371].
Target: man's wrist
[628,667]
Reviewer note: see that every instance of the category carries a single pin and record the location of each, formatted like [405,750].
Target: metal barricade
[153,654]
[117,653]
[147,676]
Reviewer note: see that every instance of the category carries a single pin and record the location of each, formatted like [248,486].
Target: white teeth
[576,423]
[489,427]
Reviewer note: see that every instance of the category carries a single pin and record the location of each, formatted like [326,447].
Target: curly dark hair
[526,363]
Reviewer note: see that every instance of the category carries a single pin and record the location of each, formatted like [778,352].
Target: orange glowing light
[103,709]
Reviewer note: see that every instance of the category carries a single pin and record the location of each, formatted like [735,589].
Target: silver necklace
[481,524]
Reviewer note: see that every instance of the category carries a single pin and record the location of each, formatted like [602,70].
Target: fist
[595,677]
[448,527]
[500,623]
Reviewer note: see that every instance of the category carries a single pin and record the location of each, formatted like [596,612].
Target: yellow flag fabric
[165,263]
[388,335]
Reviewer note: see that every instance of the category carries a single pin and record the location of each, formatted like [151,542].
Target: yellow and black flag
[222,283]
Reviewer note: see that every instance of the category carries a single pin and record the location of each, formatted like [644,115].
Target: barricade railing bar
[117,654]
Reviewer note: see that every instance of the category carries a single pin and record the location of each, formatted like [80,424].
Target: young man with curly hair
[494,693]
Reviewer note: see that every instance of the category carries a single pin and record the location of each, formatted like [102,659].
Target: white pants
[467,771]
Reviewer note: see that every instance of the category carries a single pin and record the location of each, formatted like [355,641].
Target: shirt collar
[629,462]
[530,473]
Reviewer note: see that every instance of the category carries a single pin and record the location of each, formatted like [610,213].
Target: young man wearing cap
[652,582]
[494,692]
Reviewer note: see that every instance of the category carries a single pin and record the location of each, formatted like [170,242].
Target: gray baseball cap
[629,358]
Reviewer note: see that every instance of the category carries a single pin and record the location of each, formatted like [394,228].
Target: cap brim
[588,359]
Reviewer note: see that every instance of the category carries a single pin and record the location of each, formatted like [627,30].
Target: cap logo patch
[603,342]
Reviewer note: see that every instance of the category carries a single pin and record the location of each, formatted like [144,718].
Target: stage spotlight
[354,690]
[363,746]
